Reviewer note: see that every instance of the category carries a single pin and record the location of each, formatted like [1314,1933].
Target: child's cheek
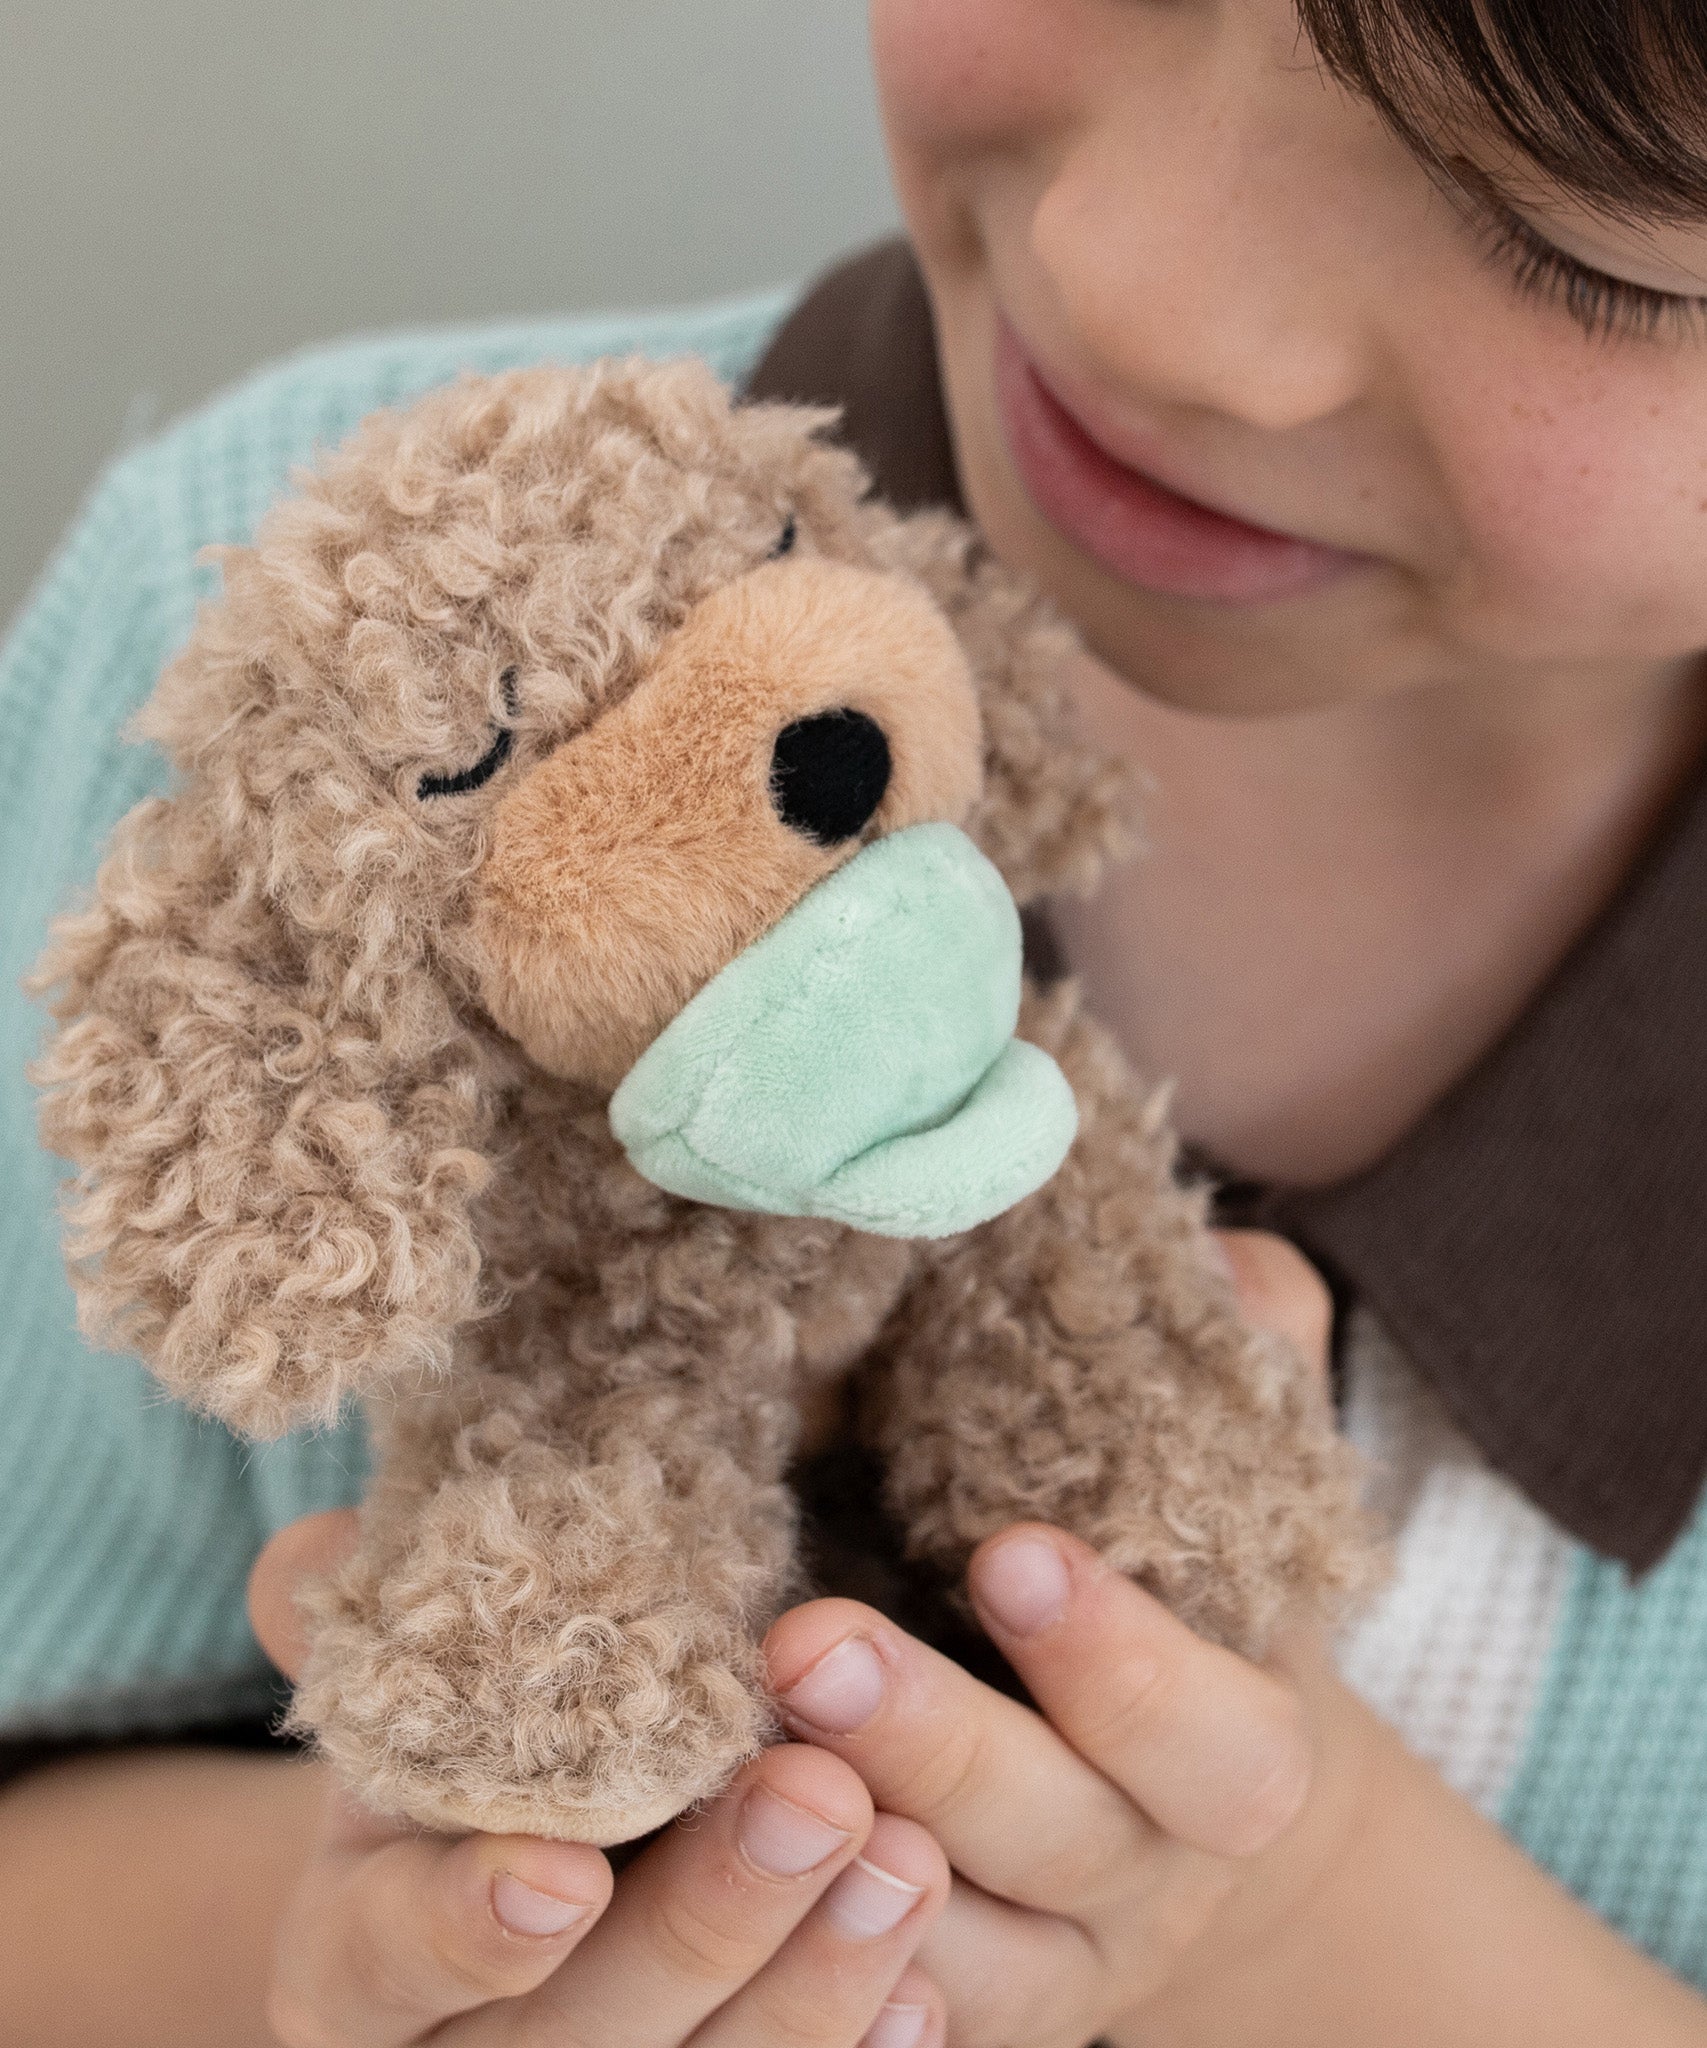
[1579,472]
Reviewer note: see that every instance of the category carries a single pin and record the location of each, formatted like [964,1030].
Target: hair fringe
[1606,97]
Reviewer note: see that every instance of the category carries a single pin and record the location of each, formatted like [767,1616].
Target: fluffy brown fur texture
[631,866]
[335,1048]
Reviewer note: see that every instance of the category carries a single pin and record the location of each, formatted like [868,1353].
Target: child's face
[1241,283]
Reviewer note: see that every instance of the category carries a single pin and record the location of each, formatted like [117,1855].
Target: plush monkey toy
[568,1003]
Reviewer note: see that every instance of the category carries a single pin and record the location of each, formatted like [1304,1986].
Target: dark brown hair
[1607,97]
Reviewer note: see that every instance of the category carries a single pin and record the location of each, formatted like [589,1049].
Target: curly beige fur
[314,1165]
[632,865]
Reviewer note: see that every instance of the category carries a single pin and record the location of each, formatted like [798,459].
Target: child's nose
[1199,324]
[1207,260]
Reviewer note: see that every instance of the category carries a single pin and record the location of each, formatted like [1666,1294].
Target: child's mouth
[1144,532]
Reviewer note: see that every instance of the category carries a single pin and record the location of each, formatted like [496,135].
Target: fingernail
[865,1902]
[524,1911]
[896,2026]
[783,1839]
[842,1690]
[1022,1585]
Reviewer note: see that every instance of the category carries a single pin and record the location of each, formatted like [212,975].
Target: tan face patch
[641,857]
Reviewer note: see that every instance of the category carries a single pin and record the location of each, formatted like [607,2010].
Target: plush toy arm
[1080,1361]
[550,1625]
[570,1551]
[274,1180]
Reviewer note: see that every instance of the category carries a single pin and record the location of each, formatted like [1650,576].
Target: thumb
[1280,1290]
[307,1549]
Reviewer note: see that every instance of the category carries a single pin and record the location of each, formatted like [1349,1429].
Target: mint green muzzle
[858,1062]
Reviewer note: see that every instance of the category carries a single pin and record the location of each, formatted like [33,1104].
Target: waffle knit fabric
[126,1526]
[1562,1699]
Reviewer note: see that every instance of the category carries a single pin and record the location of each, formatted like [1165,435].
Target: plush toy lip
[858,1061]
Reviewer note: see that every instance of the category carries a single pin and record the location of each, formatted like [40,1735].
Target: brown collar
[1535,1242]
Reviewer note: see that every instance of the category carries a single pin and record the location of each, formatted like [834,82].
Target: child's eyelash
[1606,308]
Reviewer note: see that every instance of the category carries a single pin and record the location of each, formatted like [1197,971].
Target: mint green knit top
[127,1527]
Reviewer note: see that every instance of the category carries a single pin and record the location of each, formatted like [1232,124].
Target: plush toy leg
[1080,1361]
[550,1624]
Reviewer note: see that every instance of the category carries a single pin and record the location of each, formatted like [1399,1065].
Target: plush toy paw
[571,1656]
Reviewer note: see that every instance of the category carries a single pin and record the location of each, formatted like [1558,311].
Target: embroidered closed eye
[464,779]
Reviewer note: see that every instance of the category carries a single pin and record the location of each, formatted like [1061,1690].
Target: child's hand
[1094,1849]
[1095,1844]
[751,1925]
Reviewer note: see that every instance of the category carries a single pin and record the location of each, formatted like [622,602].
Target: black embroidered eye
[489,763]
[785,543]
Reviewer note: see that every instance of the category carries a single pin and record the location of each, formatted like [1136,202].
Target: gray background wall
[190,186]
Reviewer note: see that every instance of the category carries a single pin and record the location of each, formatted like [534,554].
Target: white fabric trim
[1452,1651]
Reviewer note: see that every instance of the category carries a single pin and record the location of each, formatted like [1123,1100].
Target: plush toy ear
[277,1139]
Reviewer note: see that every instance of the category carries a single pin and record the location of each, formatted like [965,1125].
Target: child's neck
[1341,910]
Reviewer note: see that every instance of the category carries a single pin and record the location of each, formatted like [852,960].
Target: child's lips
[1134,525]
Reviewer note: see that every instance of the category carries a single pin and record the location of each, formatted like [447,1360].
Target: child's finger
[305,1549]
[381,1947]
[1016,1809]
[1010,1974]
[914,2015]
[703,1910]
[1210,1747]
[1280,1290]
[831,1980]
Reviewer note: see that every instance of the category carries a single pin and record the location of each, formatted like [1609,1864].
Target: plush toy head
[797,712]
[537,707]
